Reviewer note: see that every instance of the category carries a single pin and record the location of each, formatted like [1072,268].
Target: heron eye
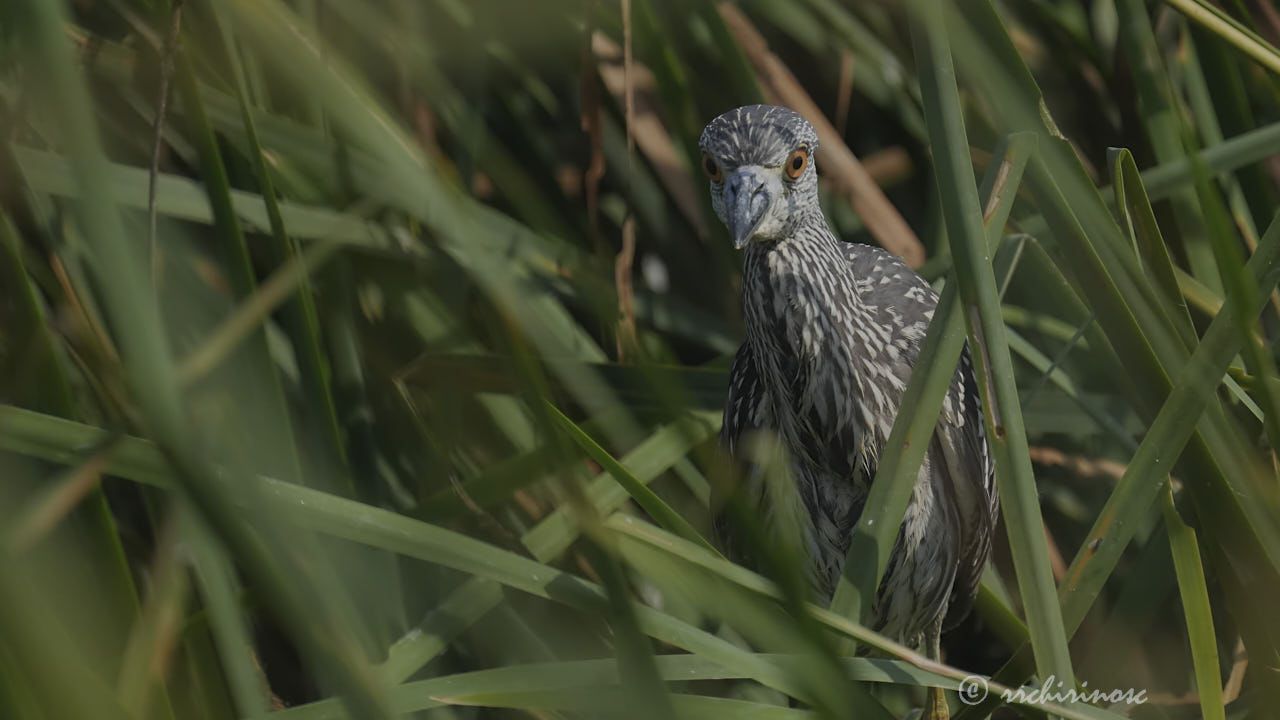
[796,164]
[711,168]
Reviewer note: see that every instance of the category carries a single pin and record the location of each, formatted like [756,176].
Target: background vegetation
[366,358]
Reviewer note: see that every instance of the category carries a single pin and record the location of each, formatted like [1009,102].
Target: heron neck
[804,274]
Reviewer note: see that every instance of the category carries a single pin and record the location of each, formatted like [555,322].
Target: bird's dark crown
[757,135]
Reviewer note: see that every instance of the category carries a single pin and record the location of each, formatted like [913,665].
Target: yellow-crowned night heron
[833,330]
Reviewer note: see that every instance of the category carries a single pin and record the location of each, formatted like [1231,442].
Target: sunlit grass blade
[1223,25]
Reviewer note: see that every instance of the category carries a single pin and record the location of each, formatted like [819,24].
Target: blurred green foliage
[367,357]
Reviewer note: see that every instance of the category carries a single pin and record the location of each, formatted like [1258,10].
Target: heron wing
[904,301]
[971,474]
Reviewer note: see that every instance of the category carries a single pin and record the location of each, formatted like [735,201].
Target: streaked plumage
[832,333]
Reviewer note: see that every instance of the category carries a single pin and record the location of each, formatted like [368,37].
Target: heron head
[759,159]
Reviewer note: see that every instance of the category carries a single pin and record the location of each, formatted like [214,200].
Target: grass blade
[877,528]
[993,366]
[1195,607]
[644,497]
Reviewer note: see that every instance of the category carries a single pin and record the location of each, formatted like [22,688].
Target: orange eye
[796,164]
[711,168]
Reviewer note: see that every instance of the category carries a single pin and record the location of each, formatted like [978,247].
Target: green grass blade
[150,369]
[184,199]
[1195,607]
[556,532]
[459,610]
[300,317]
[54,439]
[263,381]
[1243,149]
[584,674]
[992,362]
[877,528]
[644,497]
[1163,128]
[51,659]
[153,638]
[1222,25]
[231,635]
[1152,250]
[1220,470]
[1242,292]
[1136,491]
[1218,65]
[36,375]
[723,584]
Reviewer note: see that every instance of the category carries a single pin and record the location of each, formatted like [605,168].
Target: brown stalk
[622,267]
[646,126]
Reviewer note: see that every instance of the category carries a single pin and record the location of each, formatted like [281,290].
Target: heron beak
[748,197]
